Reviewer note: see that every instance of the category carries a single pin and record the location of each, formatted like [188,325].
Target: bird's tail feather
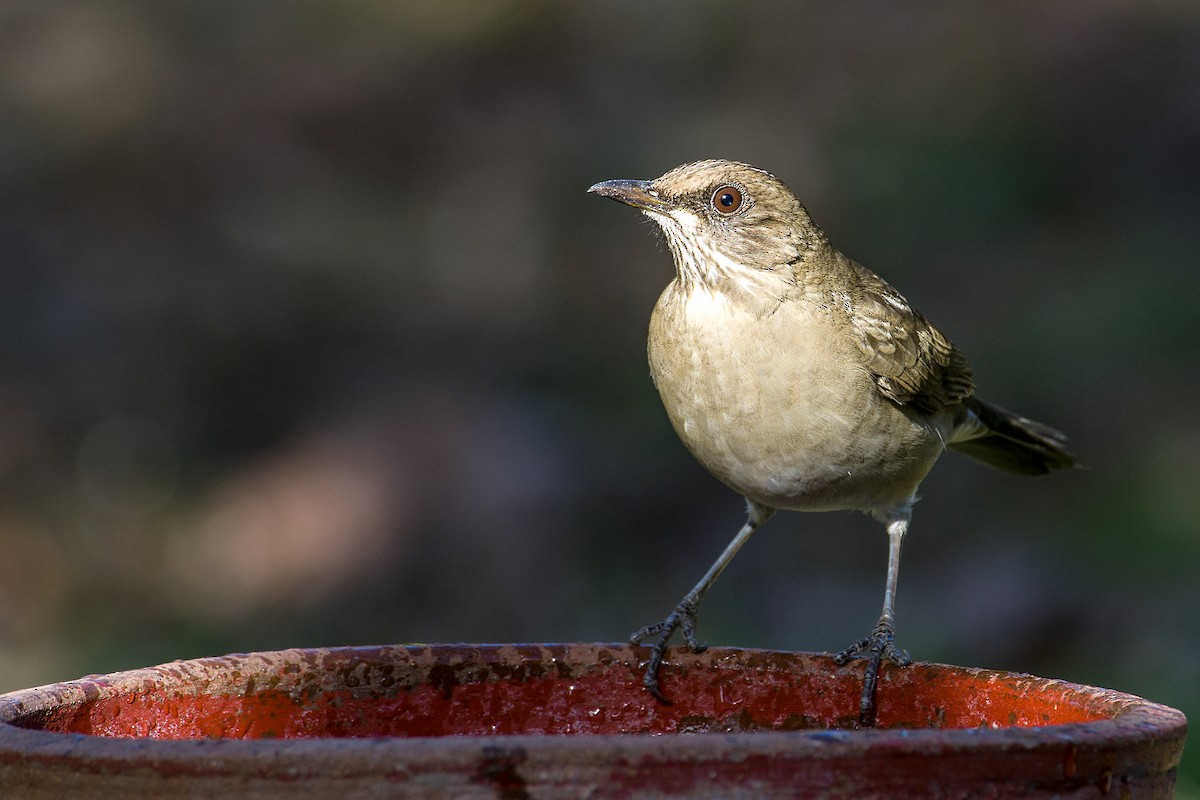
[1011,442]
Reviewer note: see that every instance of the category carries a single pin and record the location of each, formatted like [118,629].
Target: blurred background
[310,335]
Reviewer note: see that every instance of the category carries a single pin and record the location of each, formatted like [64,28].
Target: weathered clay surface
[567,721]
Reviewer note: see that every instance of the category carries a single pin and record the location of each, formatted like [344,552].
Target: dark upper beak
[639,194]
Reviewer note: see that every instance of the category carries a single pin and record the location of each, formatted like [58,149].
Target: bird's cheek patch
[688,221]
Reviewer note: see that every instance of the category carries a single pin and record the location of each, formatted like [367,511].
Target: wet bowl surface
[573,720]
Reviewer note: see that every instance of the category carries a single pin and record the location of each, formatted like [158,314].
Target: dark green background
[310,335]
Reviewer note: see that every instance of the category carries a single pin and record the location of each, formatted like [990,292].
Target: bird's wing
[912,361]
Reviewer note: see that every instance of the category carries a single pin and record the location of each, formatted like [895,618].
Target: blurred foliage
[309,333]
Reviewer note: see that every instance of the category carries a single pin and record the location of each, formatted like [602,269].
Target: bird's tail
[1011,442]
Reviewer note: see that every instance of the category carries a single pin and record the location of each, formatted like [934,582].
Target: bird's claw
[682,618]
[879,645]
[884,644]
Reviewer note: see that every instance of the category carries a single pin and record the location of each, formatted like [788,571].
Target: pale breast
[778,405]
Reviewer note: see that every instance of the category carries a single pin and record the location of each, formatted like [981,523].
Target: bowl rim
[1138,728]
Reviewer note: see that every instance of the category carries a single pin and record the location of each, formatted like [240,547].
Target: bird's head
[723,220]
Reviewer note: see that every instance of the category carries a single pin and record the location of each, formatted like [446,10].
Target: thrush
[803,380]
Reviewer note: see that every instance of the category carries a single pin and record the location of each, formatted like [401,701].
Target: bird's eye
[727,199]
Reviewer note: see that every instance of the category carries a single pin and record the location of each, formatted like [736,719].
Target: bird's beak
[639,194]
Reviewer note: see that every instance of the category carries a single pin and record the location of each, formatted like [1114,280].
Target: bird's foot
[879,645]
[682,618]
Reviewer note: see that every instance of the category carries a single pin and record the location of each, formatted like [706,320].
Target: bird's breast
[776,401]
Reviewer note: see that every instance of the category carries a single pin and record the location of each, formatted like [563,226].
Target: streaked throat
[701,264]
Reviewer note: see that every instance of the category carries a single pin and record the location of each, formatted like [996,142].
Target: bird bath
[572,720]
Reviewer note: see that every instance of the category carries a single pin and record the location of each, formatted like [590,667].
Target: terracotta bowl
[572,721]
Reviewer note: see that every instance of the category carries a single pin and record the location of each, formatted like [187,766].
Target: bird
[803,380]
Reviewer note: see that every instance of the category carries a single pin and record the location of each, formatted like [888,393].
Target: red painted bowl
[567,721]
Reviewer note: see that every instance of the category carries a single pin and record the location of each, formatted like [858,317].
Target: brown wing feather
[913,362]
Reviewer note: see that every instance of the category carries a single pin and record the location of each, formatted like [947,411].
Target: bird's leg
[684,616]
[881,643]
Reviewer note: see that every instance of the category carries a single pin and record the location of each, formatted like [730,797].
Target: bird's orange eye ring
[727,199]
